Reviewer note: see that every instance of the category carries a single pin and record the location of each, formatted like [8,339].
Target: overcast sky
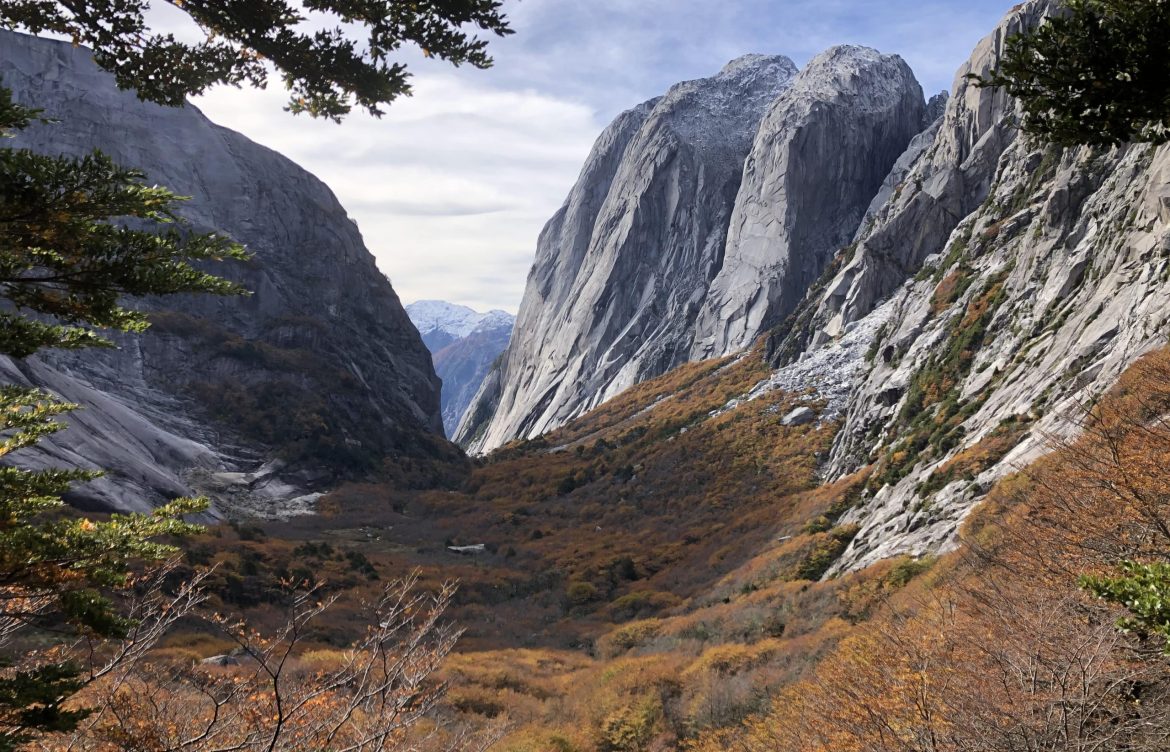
[451,187]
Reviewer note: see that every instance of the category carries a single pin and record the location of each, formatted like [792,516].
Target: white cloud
[452,186]
[449,188]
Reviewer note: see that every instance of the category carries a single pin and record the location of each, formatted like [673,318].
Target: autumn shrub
[997,647]
[640,604]
[628,636]
[731,659]
[630,728]
[826,550]
[581,593]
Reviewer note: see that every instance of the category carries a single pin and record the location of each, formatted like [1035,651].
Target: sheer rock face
[623,267]
[636,274]
[1002,286]
[944,175]
[322,322]
[819,157]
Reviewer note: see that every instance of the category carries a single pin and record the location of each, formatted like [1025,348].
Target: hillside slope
[319,369]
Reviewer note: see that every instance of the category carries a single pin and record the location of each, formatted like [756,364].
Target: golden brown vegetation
[649,581]
[999,648]
[641,578]
[269,693]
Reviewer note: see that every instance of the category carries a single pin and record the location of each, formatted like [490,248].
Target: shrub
[630,728]
[825,552]
[641,603]
[580,593]
[626,638]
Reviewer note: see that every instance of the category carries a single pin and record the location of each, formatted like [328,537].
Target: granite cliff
[986,287]
[699,219]
[257,400]
[996,287]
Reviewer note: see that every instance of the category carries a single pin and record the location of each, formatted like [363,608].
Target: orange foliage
[999,650]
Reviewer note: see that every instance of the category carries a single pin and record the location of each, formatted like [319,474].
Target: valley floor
[651,579]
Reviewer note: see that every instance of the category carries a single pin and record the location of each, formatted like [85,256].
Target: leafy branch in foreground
[1095,72]
[331,54]
[71,253]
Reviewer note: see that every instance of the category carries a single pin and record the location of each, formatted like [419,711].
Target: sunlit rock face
[699,218]
[819,157]
[182,409]
[997,286]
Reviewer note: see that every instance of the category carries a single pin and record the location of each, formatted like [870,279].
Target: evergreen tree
[68,262]
[1096,72]
[326,70]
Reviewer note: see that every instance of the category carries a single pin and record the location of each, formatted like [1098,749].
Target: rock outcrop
[636,274]
[464,345]
[1039,301]
[945,173]
[319,371]
[1002,285]
[623,267]
[819,157]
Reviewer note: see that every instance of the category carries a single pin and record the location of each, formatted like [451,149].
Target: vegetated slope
[319,368]
[622,514]
[683,603]
[1001,647]
[638,273]
[464,345]
[1022,280]
[651,521]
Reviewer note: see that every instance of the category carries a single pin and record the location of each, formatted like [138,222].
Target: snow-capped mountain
[440,323]
[464,344]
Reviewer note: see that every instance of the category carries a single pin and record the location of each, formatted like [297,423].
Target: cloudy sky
[451,187]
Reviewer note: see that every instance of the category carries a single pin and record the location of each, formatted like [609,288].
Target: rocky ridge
[621,269]
[440,323]
[991,287]
[255,400]
[819,157]
[637,273]
[1001,286]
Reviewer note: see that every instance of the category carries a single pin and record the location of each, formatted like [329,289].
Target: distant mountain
[464,344]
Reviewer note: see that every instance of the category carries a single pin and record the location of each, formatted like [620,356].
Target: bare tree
[379,694]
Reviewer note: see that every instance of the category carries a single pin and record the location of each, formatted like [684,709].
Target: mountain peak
[455,320]
[751,63]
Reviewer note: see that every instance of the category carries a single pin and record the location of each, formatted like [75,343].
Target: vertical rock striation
[319,368]
[1001,285]
[670,249]
[944,175]
[623,267]
[819,157]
